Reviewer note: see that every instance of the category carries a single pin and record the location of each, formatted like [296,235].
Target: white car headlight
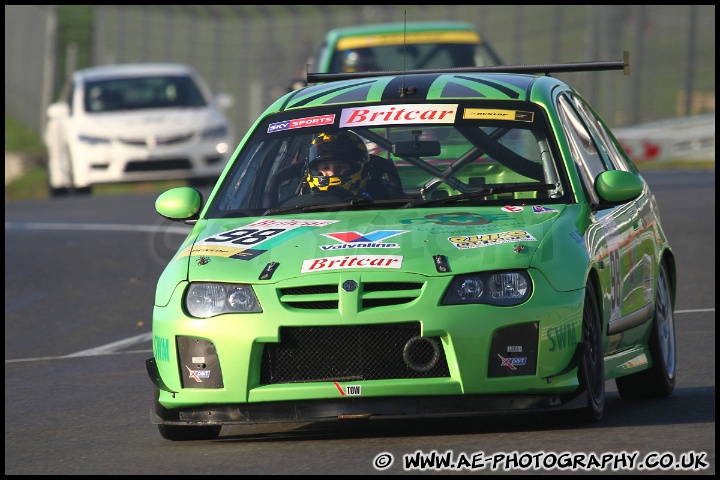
[494,288]
[204,300]
[215,132]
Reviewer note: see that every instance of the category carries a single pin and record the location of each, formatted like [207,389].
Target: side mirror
[224,100]
[617,186]
[58,110]
[181,203]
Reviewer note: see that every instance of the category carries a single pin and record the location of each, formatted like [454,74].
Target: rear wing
[546,69]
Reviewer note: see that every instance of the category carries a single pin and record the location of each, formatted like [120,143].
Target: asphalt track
[80,275]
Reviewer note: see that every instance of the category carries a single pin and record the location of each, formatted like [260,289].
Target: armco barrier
[688,138]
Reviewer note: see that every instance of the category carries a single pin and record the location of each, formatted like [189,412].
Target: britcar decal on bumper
[354,261]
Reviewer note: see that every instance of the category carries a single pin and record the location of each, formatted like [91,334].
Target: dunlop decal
[496,114]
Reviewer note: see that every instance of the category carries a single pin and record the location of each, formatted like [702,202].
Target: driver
[360,60]
[338,164]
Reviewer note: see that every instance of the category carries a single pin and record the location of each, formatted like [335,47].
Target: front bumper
[488,359]
[121,162]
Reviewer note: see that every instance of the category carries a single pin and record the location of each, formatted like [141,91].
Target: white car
[136,122]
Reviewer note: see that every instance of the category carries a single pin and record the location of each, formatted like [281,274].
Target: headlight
[494,288]
[205,300]
[93,140]
[215,132]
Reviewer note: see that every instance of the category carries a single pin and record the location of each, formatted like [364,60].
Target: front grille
[351,353]
[155,142]
[158,165]
[373,294]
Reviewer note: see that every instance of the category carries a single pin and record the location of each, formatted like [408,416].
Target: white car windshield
[115,94]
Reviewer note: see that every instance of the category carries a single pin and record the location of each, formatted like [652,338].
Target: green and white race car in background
[399,46]
[500,254]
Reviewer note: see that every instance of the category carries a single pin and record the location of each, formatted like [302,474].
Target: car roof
[379,28]
[426,87]
[134,69]
[499,82]
[398,32]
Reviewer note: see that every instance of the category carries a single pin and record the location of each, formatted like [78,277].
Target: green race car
[429,244]
[400,45]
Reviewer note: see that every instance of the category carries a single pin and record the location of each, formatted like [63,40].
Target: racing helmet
[359,60]
[341,146]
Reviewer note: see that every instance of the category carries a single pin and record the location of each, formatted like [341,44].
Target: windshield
[413,57]
[133,93]
[394,156]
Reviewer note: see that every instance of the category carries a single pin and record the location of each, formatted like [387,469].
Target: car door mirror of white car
[58,110]
[224,100]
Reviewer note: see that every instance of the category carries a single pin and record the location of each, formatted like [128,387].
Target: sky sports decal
[359,240]
[476,241]
[351,261]
[240,243]
[398,114]
[301,123]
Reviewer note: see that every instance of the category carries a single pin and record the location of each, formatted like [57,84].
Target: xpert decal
[398,114]
[198,375]
[496,114]
[241,243]
[359,240]
[301,123]
[351,261]
[475,241]
[511,362]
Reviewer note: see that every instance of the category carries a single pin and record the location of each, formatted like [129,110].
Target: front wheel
[659,380]
[591,371]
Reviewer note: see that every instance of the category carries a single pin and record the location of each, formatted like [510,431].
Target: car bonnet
[408,240]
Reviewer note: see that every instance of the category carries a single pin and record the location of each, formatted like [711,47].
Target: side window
[607,140]
[585,153]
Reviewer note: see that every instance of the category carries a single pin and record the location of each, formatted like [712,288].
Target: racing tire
[658,381]
[591,371]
